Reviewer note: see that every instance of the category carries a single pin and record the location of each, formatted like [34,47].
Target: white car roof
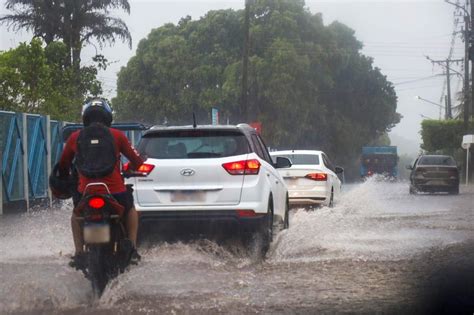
[286,152]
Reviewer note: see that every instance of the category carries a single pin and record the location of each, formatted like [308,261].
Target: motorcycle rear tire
[97,270]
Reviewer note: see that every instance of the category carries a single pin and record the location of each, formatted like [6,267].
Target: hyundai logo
[187,172]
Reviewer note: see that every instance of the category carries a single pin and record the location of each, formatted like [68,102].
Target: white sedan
[312,178]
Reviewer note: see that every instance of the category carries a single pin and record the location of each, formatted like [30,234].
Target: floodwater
[378,250]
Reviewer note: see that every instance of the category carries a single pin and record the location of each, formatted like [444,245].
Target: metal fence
[30,145]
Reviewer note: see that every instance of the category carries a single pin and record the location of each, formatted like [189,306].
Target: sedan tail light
[245,167]
[317,176]
[245,213]
[453,172]
[420,170]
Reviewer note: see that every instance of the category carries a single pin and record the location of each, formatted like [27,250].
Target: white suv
[312,178]
[220,177]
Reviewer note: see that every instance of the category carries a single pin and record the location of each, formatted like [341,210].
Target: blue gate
[11,143]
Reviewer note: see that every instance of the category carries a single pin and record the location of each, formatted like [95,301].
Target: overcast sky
[397,34]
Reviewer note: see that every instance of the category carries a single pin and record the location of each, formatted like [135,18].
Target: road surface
[378,250]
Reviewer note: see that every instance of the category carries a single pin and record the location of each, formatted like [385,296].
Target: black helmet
[97,110]
[62,187]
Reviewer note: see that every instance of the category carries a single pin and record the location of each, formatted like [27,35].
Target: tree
[75,23]
[35,79]
[445,137]
[309,84]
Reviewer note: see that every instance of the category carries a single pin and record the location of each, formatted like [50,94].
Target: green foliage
[309,84]
[75,23]
[443,136]
[36,79]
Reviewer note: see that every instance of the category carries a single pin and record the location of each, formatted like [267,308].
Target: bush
[443,136]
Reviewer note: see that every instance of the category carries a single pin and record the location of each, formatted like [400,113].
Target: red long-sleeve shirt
[114,181]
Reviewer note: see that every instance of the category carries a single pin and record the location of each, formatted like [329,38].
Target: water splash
[36,234]
[373,221]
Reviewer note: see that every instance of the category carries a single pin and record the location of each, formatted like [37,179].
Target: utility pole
[471,57]
[449,114]
[245,65]
[446,110]
[466,98]
[446,64]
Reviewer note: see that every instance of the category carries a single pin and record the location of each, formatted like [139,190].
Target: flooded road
[378,250]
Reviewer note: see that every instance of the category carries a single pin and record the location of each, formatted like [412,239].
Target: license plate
[291,181]
[188,196]
[96,233]
[437,182]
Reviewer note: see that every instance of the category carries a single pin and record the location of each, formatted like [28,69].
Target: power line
[417,80]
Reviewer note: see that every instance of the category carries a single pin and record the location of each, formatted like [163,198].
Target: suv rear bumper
[307,200]
[217,221]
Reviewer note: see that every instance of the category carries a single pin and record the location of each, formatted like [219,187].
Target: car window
[266,155]
[301,159]
[257,146]
[328,163]
[437,160]
[193,144]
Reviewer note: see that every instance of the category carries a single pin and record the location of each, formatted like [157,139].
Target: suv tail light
[144,168]
[317,176]
[245,167]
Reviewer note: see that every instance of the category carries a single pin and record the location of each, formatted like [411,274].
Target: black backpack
[96,154]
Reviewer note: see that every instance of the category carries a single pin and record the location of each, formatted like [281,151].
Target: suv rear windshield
[300,159]
[193,144]
[437,160]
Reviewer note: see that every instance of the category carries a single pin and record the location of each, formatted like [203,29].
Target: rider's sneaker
[135,257]
[78,261]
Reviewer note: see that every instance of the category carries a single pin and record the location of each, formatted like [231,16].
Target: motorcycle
[107,249]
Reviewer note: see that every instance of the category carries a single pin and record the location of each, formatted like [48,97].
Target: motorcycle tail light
[96,203]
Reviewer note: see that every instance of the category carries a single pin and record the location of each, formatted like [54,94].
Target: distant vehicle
[218,178]
[379,160]
[434,173]
[312,178]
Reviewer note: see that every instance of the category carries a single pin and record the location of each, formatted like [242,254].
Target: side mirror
[409,167]
[282,162]
[339,170]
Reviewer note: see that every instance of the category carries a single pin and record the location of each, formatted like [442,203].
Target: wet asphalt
[379,250]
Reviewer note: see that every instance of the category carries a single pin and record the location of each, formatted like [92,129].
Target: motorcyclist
[99,111]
